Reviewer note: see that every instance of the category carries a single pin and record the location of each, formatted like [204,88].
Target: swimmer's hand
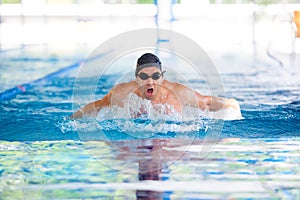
[232,103]
[236,112]
[76,115]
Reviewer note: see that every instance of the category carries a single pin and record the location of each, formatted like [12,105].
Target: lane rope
[13,92]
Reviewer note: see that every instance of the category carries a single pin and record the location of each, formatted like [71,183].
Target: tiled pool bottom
[157,169]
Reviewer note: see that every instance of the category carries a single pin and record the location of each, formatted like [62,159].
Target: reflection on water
[151,162]
[150,169]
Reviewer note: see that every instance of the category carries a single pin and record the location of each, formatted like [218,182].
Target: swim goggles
[154,76]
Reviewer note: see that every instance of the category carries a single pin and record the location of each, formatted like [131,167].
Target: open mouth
[149,92]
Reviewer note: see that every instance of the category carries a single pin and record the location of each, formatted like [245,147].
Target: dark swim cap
[147,60]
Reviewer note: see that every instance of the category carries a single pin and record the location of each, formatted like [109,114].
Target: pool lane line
[23,46]
[13,92]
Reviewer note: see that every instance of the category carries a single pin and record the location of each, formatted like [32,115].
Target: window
[10,1]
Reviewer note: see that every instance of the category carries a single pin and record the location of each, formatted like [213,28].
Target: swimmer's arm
[209,103]
[91,109]
[114,97]
[216,103]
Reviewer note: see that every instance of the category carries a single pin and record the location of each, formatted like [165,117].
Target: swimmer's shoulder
[174,85]
[125,87]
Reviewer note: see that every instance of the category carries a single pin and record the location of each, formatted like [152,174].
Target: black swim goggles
[154,76]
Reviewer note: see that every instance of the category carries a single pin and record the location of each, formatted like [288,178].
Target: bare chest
[171,100]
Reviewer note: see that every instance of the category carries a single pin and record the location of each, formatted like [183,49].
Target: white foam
[136,107]
[139,118]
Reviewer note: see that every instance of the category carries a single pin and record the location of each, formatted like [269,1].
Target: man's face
[149,87]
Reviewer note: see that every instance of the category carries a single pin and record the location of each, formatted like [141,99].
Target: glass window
[262,2]
[10,1]
[60,1]
[134,1]
[95,2]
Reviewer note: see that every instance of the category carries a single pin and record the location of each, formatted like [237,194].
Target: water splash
[139,118]
[66,125]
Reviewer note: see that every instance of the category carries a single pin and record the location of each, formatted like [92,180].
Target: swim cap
[147,60]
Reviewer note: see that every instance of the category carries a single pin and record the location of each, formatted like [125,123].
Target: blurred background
[262,30]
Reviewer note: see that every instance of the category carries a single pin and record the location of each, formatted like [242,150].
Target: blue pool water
[45,155]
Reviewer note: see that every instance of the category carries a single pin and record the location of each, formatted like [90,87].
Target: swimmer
[150,84]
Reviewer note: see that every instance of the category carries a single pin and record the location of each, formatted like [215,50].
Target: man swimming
[151,85]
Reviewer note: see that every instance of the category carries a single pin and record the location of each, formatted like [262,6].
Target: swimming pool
[44,155]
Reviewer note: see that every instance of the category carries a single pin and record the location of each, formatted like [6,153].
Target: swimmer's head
[147,60]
